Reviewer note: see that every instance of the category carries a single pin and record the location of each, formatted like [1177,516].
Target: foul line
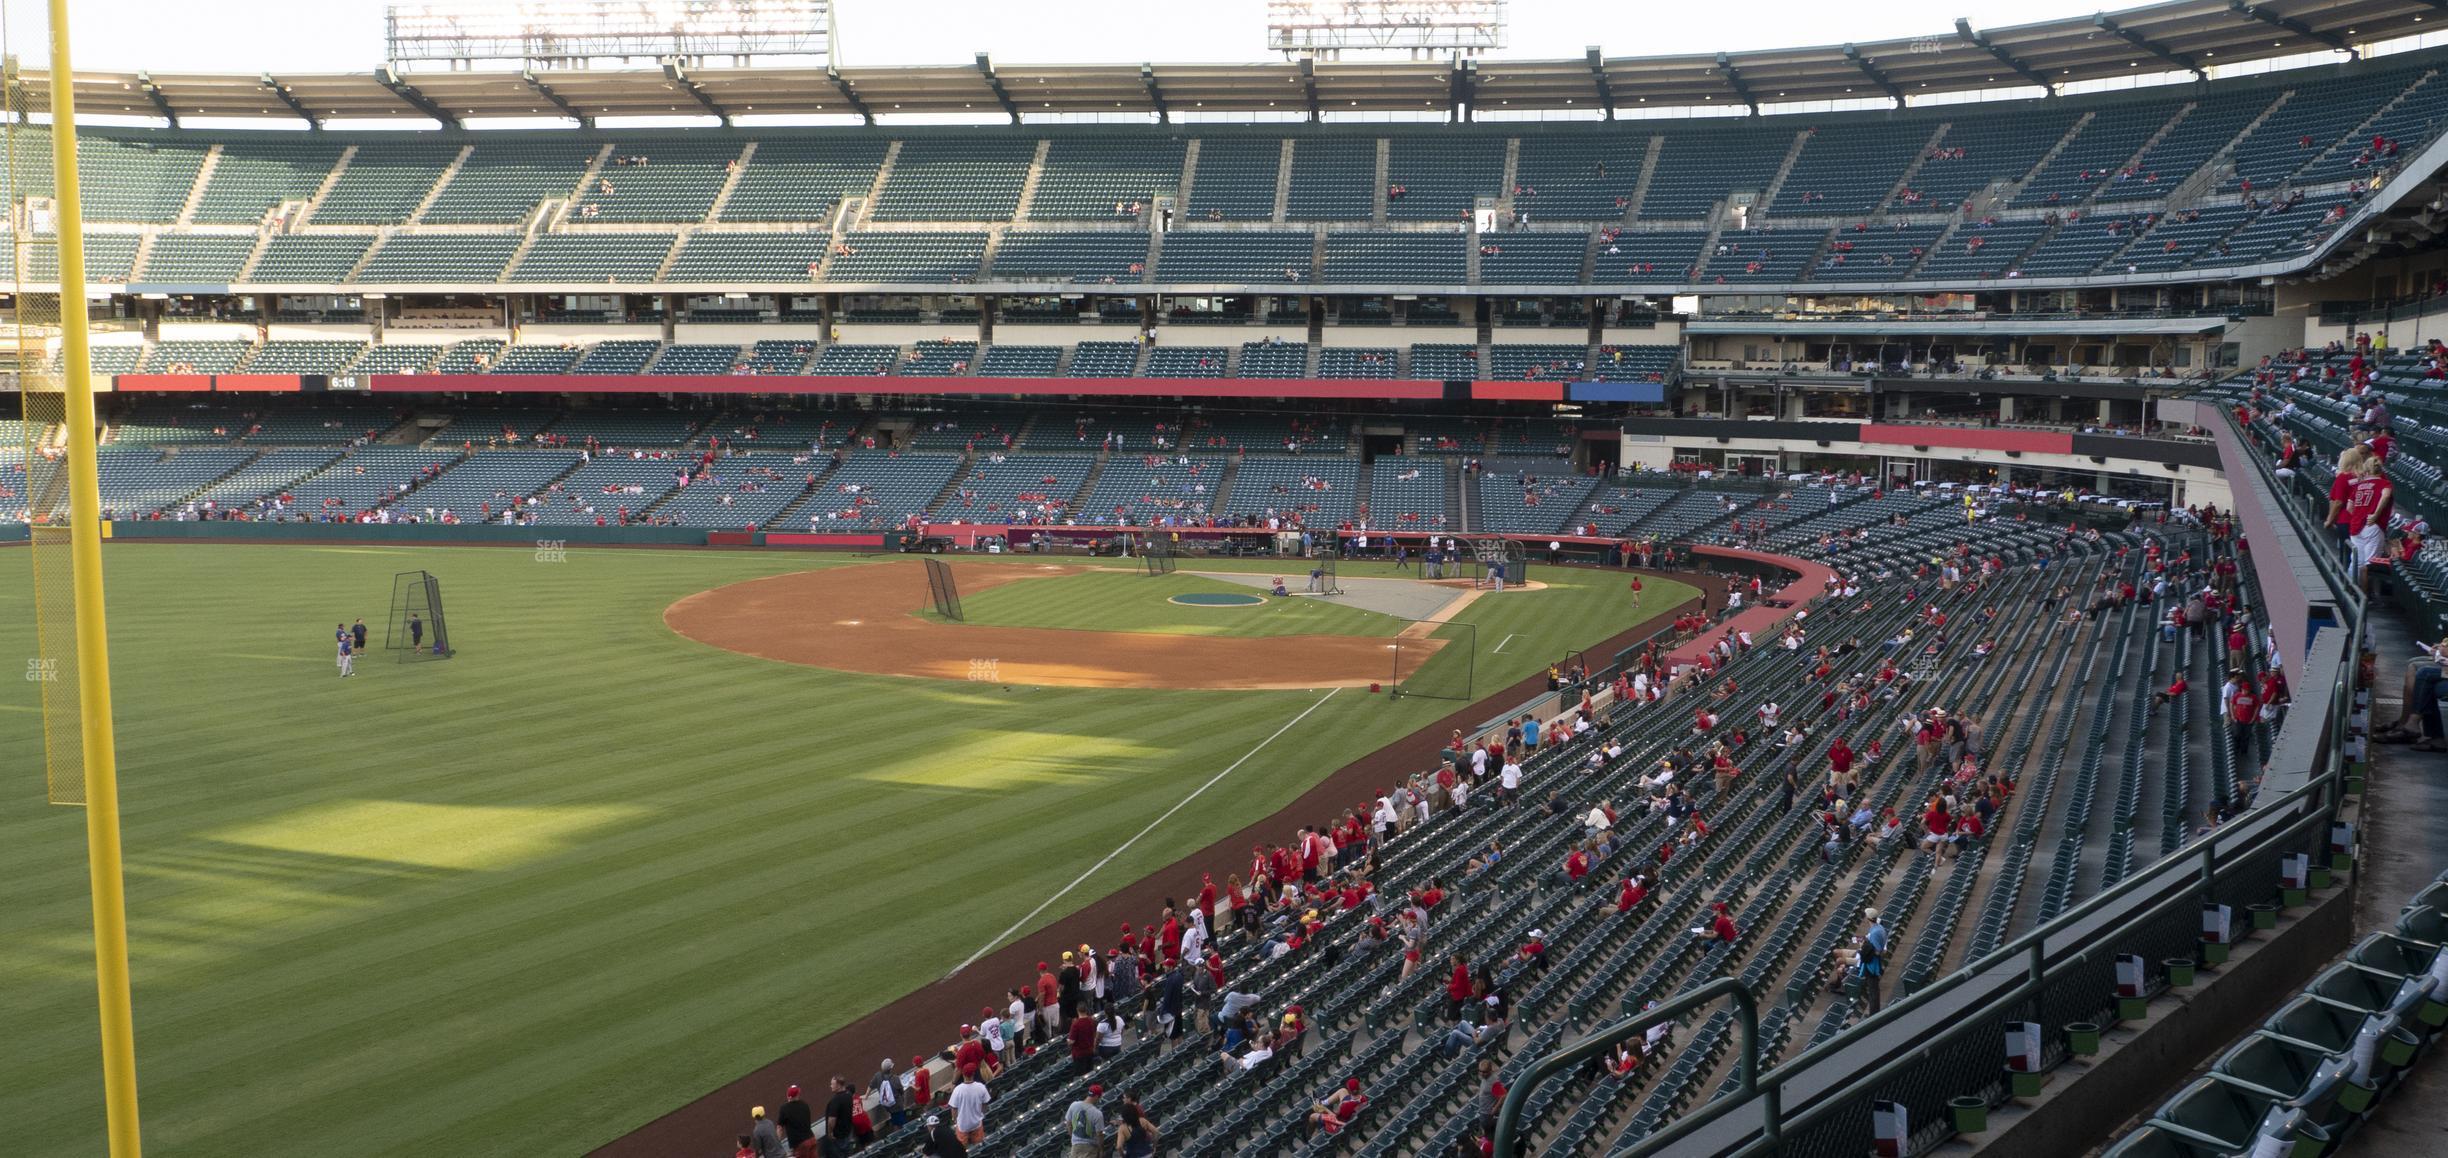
[1125,845]
[1500,647]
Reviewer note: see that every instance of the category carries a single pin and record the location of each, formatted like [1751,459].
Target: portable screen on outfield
[942,590]
[1159,559]
[418,629]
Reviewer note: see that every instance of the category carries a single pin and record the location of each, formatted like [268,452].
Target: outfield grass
[1119,601]
[525,900]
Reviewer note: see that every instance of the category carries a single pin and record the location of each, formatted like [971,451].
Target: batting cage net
[1491,559]
[942,590]
[1158,559]
[1435,661]
[1322,579]
[418,630]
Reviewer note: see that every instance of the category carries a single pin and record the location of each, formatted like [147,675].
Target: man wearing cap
[918,1084]
[969,1100]
[937,1140]
[793,1117]
[763,1137]
[1086,1122]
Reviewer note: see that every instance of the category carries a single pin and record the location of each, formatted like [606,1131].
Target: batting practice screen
[418,630]
[942,590]
[1159,559]
[1441,673]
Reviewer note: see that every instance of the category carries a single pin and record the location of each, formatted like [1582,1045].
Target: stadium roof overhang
[2183,35]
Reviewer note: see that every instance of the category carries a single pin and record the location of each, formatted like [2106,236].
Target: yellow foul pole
[92,636]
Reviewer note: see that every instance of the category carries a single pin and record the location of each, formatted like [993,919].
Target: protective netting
[37,478]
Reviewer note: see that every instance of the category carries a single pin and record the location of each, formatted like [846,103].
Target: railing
[1945,1041]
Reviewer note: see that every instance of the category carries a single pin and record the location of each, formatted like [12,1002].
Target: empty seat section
[501,182]
[1152,489]
[1307,490]
[1104,360]
[659,179]
[265,478]
[695,358]
[397,358]
[318,356]
[618,356]
[1333,179]
[743,492]
[1081,258]
[1578,176]
[537,358]
[1188,362]
[730,258]
[1512,362]
[1005,361]
[1274,359]
[1700,165]
[1534,438]
[140,482]
[1640,257]
[2001,146]
[2277,230]
[1089,178]
[780,355]
[325,424]
[1236,257]
[134,180]
[787,431]
[625,429]
[1384,258]
[111,357]
[1017,488]
[1525,258]
[2179,238]
[1444,362]
[196,259]
[1438,176]
[160,422]
[1762,255]
[855,358]
[2202,133]
[2079,246]
[109,257]
[298,259]
[606,491]
[2409,125]
[366,478]
[1849,168]
[2107,140]
[1406,492]
[908,257]
[1633,364]
[383,183]
[253,176]
[797,179]
[965,178]
[1517,500]
[487,485]
[1976,250]
[2317,114]
[469,356]
[879,490]
[440,258]
[1236,179]
[1879,253]
[197,356]
[1358,362]
[594,258]
[1275,433]
[937,357]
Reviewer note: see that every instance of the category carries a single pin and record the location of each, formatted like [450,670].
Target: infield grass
[523,901]
[1120,601]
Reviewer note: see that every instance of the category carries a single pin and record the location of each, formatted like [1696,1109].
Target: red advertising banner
[1517,391]
[1293,388]
[801,539]
[2033,441]
[256,383]
[196,383]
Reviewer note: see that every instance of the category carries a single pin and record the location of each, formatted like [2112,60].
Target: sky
[347,35]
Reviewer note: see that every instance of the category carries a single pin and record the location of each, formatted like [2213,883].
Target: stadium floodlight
[1330,28]
[573,33]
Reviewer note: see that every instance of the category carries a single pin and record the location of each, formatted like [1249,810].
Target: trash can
[2133,1008]
[2083,1038]
[2264,915]
[2180,971]
[2214,952]
[2024,1084]
[1971,1114]
[2320,876]
[2293,898]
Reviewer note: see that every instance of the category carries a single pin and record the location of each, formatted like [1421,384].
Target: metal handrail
[1746,1012]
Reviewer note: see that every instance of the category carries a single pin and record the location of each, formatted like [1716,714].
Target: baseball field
[609,858]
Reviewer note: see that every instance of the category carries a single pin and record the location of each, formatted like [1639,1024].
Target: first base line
[1125,845]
